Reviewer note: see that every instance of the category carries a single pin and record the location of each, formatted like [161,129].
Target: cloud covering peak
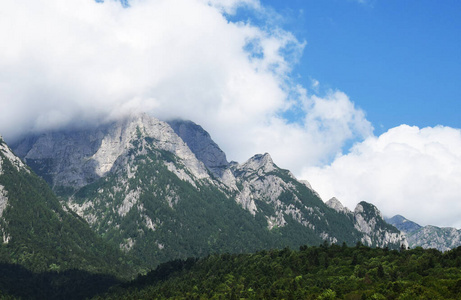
[83,62]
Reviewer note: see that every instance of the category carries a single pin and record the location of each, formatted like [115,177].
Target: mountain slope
[38,232]
[160,195]
[403,224]
[200,143]
[368,220]
[265,189]
[442,239]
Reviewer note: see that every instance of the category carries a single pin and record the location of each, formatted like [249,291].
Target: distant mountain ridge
[443,239]
[403,224]
[165,190]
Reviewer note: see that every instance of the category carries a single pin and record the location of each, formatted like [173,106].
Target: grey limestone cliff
[370,222]
[442,239]
[75,158]
[164,190]
[200,143]
[337,206]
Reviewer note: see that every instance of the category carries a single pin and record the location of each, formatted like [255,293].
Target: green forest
[49,252]
[321,272]
[316,272]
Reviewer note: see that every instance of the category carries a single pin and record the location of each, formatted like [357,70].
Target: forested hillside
[40,234]
[324,272]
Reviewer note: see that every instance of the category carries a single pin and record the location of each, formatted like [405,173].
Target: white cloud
[231,6]
[77,61]
[409,171]
[80,61]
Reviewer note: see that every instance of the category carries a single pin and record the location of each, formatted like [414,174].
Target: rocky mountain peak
[370,221]
[367,210]
[75,158]
[337,205]
[403,224]
[260,162]
[6,153]
[442,239]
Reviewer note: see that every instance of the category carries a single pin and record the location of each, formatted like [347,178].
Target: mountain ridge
[139,184]
[440,238]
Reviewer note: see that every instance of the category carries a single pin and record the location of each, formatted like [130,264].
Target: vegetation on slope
[42,236]
[169,218]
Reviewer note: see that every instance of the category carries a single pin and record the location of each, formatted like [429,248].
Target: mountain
[429,236]
[200,143]
[38,232]
[442,239]
[370,222]
[403,224]
[162,191]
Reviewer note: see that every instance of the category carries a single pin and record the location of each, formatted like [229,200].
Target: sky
[359,97]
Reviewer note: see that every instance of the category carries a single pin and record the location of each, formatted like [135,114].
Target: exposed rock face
[442,239]
[141,182]
[260,164]
[261,180]
[77,158]
[266,189]
[369,221]
[6,153]
[63,158]
[201,144]
[337,205]
[3,199]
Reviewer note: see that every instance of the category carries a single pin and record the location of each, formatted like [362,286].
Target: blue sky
[400,61]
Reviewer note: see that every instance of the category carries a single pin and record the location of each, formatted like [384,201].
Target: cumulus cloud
[407,170]
[78,62]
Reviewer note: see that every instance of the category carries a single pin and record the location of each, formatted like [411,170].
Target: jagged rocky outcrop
[442,239]
[265,189]
[165,190]
[370,222]
[337,206]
